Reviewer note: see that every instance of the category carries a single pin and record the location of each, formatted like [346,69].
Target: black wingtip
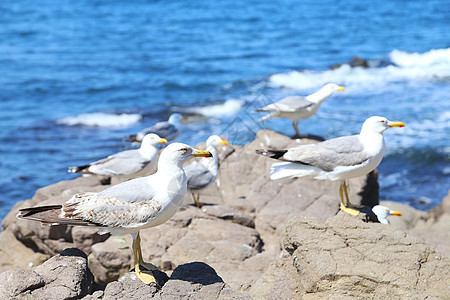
[275,154]
[131,138]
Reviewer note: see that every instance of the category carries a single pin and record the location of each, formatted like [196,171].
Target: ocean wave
[101,120]
[228,108]
[431,65]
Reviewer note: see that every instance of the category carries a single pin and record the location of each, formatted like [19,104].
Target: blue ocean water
[77,76]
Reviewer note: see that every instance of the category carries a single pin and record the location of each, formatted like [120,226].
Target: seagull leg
[348,199]
[145,274]
[196,198]
[295,125]
[351,211]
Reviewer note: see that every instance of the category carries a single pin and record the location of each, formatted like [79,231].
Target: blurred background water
[77,76]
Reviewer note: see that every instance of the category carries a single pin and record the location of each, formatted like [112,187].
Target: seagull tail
[268,116]
[49,215]
[131,138]
[287,169]
[80,169]
[276,154]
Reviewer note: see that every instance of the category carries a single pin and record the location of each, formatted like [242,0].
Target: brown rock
[64,276]
[14,254]
[346,257]
[110,260]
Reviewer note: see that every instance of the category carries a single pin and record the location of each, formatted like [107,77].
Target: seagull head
[178,153]
[152,139]
[333,87]
[216,140]
[176,118]
[382,212]
[379,124]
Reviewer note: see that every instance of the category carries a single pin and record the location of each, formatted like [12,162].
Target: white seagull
[202,173]
[335,159]
[125,162]
[169,129]
[382,212]
[298,107]
[129,206]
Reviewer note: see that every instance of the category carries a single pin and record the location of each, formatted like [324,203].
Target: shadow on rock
[196,272]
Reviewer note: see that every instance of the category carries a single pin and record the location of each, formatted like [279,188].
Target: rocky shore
[252,239]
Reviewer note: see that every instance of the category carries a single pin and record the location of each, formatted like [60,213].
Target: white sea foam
[101,120]
[228,108]
[434,64]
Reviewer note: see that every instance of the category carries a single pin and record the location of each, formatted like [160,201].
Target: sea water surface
[77,76]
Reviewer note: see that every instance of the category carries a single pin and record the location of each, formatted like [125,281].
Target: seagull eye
[184,150]
[383,121]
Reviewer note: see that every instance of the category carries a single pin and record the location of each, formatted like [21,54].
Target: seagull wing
[342,151]
[129,204]
[198,176]
[289,104]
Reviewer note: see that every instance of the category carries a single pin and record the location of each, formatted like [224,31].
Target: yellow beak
[162,141]
[224,142]
[341,88]
[184,118]
[396,213]
[396,124]
[201,153]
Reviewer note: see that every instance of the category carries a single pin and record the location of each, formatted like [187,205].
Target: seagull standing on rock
[202,173]
[125,162]
[129,206]
[335,159]
[298,107]
[169,129]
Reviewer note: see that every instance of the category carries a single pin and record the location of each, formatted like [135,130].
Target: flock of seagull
[149,201]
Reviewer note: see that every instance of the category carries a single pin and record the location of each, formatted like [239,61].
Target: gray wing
[198,176]
[128,204]
[327,155]
[163,129]
[291,103]
[122,163]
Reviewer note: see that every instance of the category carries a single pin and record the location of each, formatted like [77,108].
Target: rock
[110,260]
[17,283]
[228,213]
[197,280]
[85,237]
[129,287]
[14,254]
[348,258]
[442,208]
[64,276]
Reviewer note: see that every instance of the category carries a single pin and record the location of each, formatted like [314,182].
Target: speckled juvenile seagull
[335,159]
[169,129]
[298,107]
[202,173]
[129,206]
[125,162]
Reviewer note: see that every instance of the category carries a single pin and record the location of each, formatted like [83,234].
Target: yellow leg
[351,211]
[144,274]
[348,200]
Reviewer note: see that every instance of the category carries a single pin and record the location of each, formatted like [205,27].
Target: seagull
[298,107]
[125,162]
[204,172]
[335,159]
[382,212]
[130,206]
[169,129]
